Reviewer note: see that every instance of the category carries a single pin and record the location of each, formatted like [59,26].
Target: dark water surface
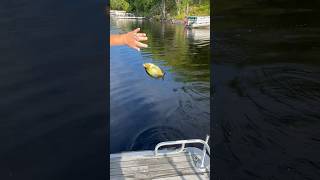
[52,90]
[146,111]
[266,102]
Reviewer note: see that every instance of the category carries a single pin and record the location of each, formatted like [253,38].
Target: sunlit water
[145,111]
[267,90]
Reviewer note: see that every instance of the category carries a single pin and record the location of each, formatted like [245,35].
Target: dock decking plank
[171,167]
[149,161]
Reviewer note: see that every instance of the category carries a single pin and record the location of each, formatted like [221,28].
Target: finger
[139,44]
[142,38]
[136,48]
[136,30]
[141,34]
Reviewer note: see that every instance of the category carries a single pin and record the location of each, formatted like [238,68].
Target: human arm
[131,39]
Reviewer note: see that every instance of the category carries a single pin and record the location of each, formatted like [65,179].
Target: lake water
[266,90]
[145,111]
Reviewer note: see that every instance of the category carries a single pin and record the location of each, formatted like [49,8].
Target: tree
[163,9]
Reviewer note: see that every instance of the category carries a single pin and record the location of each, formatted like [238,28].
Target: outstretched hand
[133,38]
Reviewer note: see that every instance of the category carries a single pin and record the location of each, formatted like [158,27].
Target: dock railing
[206,147]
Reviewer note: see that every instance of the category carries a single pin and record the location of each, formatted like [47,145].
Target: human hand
[132,39]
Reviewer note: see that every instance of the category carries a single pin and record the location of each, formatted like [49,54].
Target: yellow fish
[153,70]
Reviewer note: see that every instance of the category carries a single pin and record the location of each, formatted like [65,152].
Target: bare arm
[130,39]
[117,40]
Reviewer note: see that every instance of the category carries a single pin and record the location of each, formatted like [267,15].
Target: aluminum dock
[185,163]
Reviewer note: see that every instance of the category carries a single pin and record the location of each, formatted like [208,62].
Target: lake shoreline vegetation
[173,11]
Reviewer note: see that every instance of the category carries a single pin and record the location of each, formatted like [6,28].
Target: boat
[165,162]
[198,21]
[199,34]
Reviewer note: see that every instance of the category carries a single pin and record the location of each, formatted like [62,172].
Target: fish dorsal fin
[164,73]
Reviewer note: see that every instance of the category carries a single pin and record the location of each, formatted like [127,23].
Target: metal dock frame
[206,148]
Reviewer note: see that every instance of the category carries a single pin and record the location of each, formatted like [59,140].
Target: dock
[124,15]
[187,163]
[129,17]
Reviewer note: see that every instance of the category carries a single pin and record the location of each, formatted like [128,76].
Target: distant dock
[129,17]
[123,15]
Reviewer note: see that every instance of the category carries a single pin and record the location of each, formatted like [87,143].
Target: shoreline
[158,18]
[171,21]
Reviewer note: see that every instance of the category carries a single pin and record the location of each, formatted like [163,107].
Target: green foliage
[119,5]
[177,9]
[200,10]
[145,7]
[194,8]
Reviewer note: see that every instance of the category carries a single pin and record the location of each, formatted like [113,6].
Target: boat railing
[206,147]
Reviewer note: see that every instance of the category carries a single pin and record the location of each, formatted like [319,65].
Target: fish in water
[153,70]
